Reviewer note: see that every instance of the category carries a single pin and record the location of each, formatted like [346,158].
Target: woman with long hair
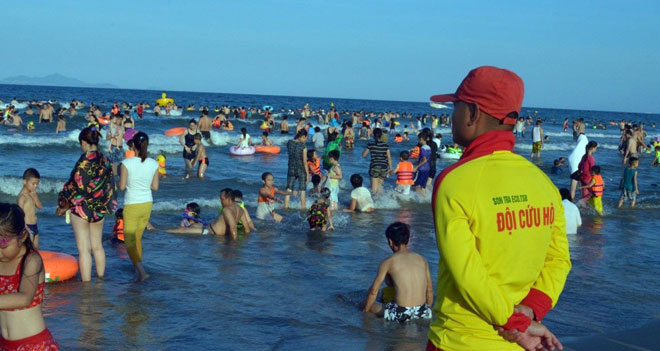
[139,176]
[89,195]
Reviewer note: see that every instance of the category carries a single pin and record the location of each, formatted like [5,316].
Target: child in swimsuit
[118,228]
[265,141]
[200,156]
[334,176]
[319,216]
[21,273]
[409,273]
[266,200]
[191,218]
[29,202]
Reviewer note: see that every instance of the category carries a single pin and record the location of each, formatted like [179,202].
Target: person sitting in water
[265,141]
[409,274]
[360,196]
[266,199]
[191,218]
[225,224]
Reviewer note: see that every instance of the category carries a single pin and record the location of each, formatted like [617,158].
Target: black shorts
[204,161]
[576,175]
[206,135]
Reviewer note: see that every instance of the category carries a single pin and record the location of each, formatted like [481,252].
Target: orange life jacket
[118,229]
[265,199]
[404,175]
[216,123]
[414,152]
[598,187]
[315,167]
[129,154]
[398,139]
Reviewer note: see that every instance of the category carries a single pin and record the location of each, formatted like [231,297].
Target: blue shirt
[425,152]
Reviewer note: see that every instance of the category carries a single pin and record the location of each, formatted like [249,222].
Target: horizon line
[313,97]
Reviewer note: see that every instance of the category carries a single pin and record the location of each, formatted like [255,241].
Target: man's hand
[536,337]
[526,310]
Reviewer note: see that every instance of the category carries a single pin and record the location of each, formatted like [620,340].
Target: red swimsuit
[10,284]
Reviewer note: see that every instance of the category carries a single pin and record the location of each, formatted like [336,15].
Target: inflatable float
[449,155]
[264,126]
[58,266]
[267,107]
[164,100]
[229,127]
[241,151]
[267,149]
[438,105]
[172,112]
[175,131]
[104,120]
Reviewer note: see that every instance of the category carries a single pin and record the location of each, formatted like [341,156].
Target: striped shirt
[378,152]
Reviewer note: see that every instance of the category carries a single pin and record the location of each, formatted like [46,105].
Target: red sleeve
[539,302]
[517,321]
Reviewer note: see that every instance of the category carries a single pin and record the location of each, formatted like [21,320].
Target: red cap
[496,91]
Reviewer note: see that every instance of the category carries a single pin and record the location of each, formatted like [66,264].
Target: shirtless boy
[409,274]
[29,202]
[284,125]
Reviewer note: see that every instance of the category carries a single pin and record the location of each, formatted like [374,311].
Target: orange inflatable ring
[228,128]
[267,149]
[104,121]
[58,266]
[175,131]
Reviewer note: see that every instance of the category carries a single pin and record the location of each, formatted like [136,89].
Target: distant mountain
[53,80]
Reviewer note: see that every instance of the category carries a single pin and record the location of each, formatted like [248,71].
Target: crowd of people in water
[314,172]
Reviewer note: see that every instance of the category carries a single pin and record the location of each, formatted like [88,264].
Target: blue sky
[602,55]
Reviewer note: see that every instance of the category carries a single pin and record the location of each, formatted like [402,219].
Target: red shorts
[40,342]
[431,347]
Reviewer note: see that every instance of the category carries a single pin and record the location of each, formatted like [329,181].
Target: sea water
[284,287]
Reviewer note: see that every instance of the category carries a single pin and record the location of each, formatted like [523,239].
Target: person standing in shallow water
[90,196]
[297,171]
[187,140]
[492,210]
[381,160]
[139,177]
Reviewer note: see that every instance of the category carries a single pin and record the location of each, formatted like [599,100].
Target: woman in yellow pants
[139,176]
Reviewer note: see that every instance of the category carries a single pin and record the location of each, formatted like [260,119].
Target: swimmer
[30,126]
[284,125]
[319,216]
[409,274]
[360,196]
[225,224]
[265,141]
[200,156]
[61,125]
[205,124]
[29,202]
[266,200]
[191,218]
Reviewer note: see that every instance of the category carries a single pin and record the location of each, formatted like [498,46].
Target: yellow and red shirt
[501,234]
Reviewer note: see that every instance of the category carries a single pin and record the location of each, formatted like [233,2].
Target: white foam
[13,185]
[39,141]
[562,146]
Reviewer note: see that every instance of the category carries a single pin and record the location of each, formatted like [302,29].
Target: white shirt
[363,197]
[244,141]
[536,134]
[318,140]
[438,142]
[572,214]
[140,176]
[576,156]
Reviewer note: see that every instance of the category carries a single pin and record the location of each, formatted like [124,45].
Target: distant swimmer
[408,273]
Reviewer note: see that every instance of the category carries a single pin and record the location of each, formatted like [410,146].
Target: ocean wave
[13,185]
[39,141]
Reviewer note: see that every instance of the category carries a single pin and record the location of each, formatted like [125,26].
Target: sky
[596,55]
